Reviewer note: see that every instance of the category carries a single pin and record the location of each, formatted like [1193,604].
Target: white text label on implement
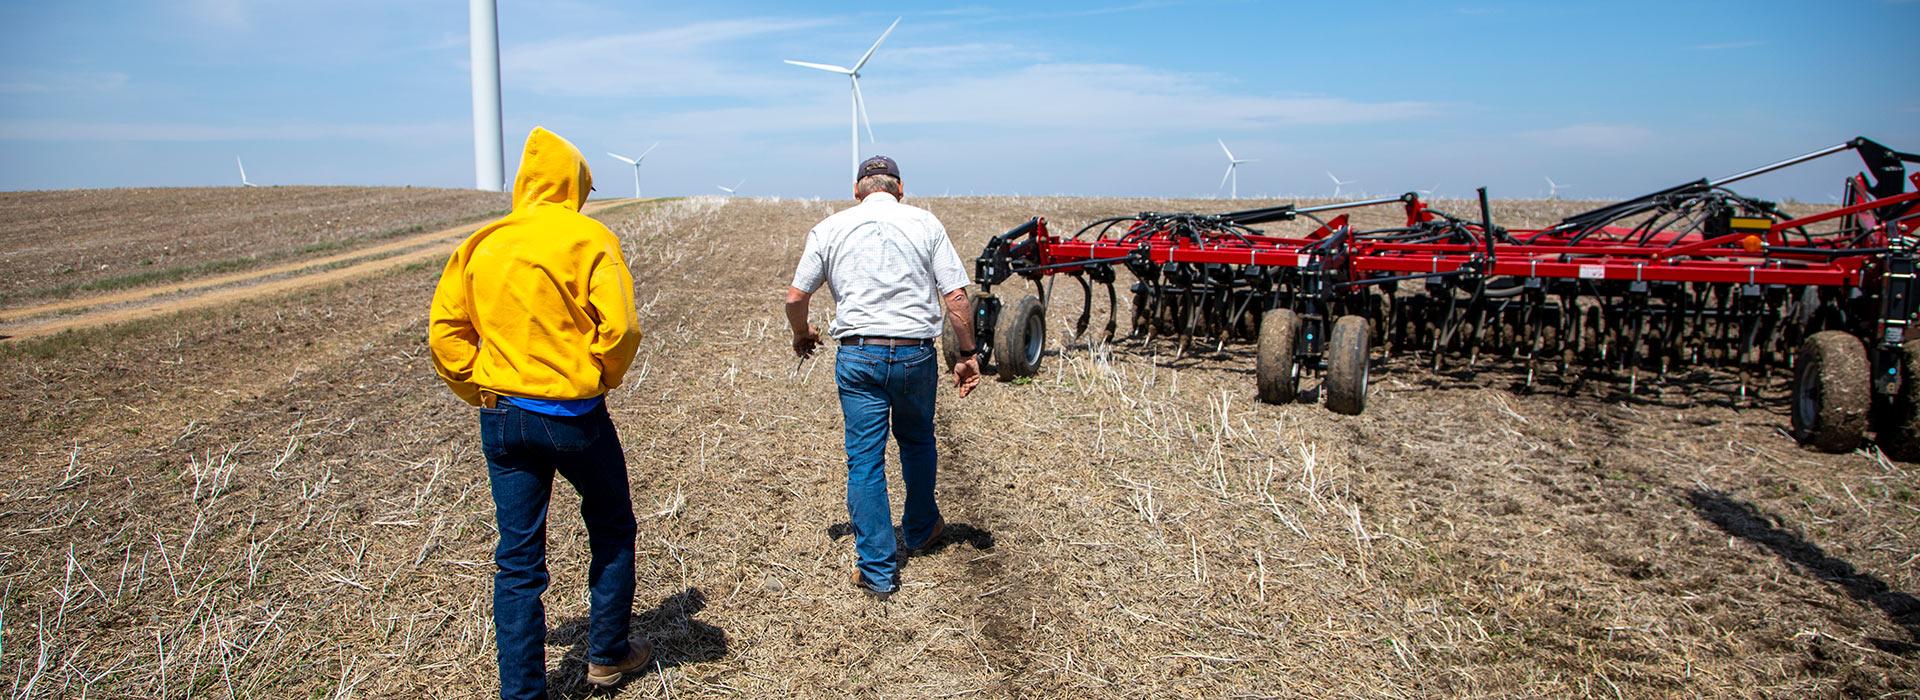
[1593,272]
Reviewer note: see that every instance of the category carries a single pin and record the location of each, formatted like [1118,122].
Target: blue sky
[1089,98]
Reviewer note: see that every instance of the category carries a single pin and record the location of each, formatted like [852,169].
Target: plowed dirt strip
[220,290]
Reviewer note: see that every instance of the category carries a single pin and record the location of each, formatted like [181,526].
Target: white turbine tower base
[483,38]
[1233,170]
[1338,183]
[635,162]
[859,103]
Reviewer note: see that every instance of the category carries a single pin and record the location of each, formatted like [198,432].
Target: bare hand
[966,374]
[805,344]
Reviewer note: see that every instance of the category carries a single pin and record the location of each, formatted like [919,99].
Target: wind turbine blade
[1248,160]
[621,158]
[862,102]
[243,169]
[643,156]
[876,46]
[1223,179]
[1223,148]
[823,66]
[1336,181]
[738,184]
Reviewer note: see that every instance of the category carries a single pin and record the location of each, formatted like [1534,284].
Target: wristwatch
[975,352]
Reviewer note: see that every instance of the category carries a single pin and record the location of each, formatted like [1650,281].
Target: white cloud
[44,130]
[228,14]
[24,82]
[1088,97]
[1592,136]
[1726,45]
[677,62]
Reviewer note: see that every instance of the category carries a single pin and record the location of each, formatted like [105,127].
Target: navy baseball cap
[877,165]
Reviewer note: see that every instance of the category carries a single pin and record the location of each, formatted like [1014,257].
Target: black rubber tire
[1831,392]
[1347,352]
[1899,427]
[1020,340]
[1275,370]
[949,340]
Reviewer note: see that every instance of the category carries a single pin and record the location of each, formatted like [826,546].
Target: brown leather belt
[880,340]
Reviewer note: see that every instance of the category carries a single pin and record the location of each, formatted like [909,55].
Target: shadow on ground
[954,533]
[677,639]
[1743,520]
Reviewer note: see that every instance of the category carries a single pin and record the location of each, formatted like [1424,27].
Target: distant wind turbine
[859,103]
[1233,170]
[734,190]
[635,162]
[1338,183]
[243,173]
[1553,188]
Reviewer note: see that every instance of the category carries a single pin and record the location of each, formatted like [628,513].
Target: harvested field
[278,499]
[78,241]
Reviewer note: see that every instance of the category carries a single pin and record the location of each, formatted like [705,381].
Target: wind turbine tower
[635,162]
[483,38]
[859,104]
[1338,183]
[1233,170]
[1553,188]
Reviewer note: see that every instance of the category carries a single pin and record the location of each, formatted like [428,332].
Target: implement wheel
[1899,429]
[1020,338]
[1831,392]
[1346,383]
[950,340]
[1275,369]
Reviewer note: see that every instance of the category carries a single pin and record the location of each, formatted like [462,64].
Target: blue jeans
[878,385]
[523,451]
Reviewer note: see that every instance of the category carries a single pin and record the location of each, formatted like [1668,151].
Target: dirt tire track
[998,624]
[107,309]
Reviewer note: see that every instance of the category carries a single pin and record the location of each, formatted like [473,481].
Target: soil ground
[278,499]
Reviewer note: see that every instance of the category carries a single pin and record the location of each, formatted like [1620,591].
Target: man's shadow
[1743,520]
[954,533]
[677,639]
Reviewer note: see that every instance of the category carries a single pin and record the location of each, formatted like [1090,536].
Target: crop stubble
[281,500]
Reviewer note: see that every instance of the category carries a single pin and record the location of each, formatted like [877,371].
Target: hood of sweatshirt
[552,171]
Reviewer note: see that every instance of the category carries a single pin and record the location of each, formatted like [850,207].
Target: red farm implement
[1695,274]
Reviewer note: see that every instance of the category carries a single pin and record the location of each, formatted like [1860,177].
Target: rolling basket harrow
[1693,275]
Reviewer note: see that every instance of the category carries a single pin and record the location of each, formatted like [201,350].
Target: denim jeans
[881,385]
[523,451]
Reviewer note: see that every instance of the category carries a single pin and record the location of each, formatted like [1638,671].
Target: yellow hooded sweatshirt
[538,304]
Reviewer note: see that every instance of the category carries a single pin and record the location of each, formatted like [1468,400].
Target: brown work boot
[860,580]
[939,526]
[605,676]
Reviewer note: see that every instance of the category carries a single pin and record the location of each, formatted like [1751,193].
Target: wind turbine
[635,162]
[1553,189]
[734,190]
[1337,183]
[483,45]
[1233,170]
[243,173]
[859,103]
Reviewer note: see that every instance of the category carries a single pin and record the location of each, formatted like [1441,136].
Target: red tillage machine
[1695,274]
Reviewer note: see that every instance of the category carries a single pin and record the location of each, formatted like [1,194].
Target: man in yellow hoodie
[533,322]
